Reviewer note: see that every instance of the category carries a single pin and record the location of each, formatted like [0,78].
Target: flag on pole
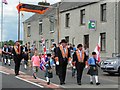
[44,48]
[4,1]
[97,50]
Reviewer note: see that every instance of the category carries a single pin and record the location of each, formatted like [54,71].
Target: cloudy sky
[10,18]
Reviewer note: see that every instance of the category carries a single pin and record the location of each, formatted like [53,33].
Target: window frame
[103,41]
[40,29]
[104,12]
[82,17]
[67,20]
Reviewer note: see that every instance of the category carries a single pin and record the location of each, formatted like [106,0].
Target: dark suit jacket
[60,57]
[16,55]
[75,58]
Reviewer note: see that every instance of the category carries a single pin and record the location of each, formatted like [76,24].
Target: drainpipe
[115,41]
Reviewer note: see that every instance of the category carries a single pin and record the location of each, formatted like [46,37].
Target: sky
[11,18]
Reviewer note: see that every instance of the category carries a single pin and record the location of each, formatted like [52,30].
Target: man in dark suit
[79,57]
[62,57]
[17,52]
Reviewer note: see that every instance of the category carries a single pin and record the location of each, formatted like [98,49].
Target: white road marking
[4,72]
[51,82]
[29,82]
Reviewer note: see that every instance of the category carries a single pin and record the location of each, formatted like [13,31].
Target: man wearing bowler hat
[62,57]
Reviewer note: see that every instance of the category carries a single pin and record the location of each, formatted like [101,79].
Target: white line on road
[29,82]
[51,82]
[4,73]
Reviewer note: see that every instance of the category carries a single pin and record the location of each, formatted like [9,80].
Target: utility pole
[1,23]
[58,21]
[19,23]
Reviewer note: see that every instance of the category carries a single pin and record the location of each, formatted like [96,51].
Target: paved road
[105,80]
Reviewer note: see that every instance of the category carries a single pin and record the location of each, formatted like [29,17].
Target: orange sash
[17,50]
[65,55]
[80,59]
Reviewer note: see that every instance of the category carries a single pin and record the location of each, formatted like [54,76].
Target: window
[52,23]
[103,41]
[103,12]
[82,17]
[67,19]
[29,30]
[40,27]
[86,40]
[67,38]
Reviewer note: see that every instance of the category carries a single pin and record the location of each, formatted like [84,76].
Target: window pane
[83,16]
[103,12]
[67,19]
[103,41]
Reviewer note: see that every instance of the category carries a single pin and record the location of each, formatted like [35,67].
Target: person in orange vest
[17,55]
[62,58]
[79,58]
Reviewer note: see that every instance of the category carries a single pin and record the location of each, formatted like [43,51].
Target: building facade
[80,22]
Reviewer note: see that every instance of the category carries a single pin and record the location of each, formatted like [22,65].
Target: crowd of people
[61,55]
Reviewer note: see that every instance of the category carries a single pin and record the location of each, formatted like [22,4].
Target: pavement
[25,80]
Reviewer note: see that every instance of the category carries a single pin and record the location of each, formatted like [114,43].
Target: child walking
[93,69]
[35,63]
[48,64]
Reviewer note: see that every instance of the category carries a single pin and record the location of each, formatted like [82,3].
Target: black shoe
[5,64]
[79,84]
[97,83]
[9,65]
[63,82]
[34,76]
[91,83]
[48,83]
[17,74]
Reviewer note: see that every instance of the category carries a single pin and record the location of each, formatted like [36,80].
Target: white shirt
[80,53]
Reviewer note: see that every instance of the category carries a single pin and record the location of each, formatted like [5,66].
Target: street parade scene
[53,49]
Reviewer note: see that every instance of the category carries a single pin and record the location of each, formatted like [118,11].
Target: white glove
[70,62]
[74,67]
[57,63]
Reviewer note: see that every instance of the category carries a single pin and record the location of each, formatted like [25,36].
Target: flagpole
[19,24]
[1,23]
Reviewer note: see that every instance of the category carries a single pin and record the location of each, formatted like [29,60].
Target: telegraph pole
[58,21]
[19,23]
[1,23]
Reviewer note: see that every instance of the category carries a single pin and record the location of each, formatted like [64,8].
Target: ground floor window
[103,41]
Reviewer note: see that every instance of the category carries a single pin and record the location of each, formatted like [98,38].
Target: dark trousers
[57,69]
[80,68]
[17,61]
[62,72]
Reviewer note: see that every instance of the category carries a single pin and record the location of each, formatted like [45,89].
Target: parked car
[111,65]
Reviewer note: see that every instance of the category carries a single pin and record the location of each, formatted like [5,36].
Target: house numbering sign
[92,25]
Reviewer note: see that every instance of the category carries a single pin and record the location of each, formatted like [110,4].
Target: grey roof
[66,6]
[63,7]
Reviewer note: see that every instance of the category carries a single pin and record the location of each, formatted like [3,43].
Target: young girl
[35,63]
[48,64]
